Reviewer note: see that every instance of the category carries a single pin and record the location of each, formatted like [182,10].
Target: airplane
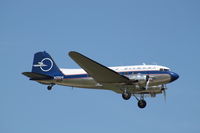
[139,81]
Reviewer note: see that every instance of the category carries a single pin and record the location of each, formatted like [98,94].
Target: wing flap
[99,72]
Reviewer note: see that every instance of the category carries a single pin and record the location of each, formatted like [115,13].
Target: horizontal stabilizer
[36,76]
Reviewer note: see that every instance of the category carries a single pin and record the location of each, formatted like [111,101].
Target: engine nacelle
[141,78]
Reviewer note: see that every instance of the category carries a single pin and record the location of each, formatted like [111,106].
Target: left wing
[100,73]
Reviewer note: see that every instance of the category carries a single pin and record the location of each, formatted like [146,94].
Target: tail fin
[44,64]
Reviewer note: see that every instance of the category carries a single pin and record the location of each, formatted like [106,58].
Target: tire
[126,95]
[142,104]
[49,88]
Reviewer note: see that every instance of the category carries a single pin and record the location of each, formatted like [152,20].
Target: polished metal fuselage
[155,84]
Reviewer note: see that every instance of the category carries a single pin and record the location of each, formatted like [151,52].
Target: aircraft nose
[174,76]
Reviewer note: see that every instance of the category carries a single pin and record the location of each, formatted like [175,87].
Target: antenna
[155,63]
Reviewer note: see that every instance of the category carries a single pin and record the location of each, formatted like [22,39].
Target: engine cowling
[141,78]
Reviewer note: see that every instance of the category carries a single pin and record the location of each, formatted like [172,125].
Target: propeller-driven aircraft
[138,80]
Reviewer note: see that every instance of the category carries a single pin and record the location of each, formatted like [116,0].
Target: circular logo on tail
[46,64]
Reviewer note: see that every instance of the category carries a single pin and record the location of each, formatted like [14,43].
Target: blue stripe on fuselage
[121,73]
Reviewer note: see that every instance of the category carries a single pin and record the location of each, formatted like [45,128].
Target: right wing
[100,73]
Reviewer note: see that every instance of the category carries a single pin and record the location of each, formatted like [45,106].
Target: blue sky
[113,32]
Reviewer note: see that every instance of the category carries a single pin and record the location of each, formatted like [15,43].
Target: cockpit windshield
[164,69]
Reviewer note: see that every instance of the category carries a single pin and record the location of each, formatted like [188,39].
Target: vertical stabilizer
[44,64]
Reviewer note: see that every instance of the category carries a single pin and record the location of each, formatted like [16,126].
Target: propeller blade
[165,95]
[164,92]
[147,82]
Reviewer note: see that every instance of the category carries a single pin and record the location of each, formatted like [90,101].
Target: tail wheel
[50,86]
[142,104]
[126,95]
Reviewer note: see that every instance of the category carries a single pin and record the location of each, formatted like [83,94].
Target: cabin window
[126,73]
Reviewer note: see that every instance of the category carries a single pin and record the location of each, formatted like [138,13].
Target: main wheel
[126,95]
[142,104]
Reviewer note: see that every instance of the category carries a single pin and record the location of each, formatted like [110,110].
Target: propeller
[147,81]
[164,88]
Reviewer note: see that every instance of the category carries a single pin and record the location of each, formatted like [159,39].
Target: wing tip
[72,53]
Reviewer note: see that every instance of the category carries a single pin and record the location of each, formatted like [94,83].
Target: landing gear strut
[50,87]
[126,95]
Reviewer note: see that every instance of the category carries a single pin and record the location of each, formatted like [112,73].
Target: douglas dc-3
[138,81]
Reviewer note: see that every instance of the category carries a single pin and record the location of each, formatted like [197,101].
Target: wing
[100,73]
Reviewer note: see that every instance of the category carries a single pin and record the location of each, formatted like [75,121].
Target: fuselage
[79,78]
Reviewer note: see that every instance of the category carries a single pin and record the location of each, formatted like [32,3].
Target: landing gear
[142,103]
[126,95]
[50,87]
